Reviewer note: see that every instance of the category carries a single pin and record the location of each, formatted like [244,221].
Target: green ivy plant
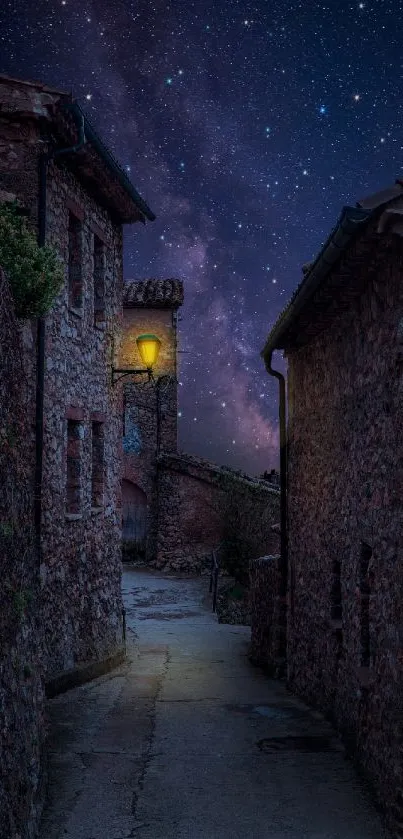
[35,274]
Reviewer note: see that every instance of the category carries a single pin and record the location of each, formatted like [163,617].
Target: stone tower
[149,408]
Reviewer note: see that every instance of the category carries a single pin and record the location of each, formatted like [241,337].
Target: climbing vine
[35,273]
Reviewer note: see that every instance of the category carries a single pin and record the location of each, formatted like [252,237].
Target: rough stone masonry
[71,612]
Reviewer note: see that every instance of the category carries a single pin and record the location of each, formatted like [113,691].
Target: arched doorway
[134,522]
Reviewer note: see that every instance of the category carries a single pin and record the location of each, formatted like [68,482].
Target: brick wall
[345,628]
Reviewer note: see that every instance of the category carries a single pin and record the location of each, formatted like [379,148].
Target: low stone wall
[199,502]
[267,615]
[21,632]
[233,604]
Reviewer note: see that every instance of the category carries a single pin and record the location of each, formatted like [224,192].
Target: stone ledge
[83,673]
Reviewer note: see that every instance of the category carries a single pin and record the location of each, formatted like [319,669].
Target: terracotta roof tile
[153,294]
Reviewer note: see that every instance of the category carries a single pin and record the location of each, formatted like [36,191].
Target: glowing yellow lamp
[149,348]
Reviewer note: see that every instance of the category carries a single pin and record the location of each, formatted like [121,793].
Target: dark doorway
[134,522]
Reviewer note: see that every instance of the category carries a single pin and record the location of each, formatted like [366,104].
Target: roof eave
[91,135]
[351,221]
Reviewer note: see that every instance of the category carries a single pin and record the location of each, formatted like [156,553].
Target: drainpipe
[283,478]
[41,328]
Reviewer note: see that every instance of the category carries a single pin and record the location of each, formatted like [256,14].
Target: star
[238,209]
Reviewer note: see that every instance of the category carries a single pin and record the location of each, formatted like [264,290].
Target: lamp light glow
[149,348]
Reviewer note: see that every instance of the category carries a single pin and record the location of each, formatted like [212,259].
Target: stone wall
[194,498]
[21,630]
[268,615]
[150,411]
[345,628]
[81,551]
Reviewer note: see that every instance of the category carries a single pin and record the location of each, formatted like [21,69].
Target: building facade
[342,335]
[77,198]
[176,507]
[150,407]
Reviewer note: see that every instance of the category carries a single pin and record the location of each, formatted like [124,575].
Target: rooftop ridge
[153,293]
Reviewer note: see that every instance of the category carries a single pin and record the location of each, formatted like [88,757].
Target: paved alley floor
[187,740]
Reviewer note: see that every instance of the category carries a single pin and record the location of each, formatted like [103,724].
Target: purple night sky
[246,128]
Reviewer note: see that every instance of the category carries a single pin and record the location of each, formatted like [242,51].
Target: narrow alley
[188,740]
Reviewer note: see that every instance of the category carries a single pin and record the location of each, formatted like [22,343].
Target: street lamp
[149,347]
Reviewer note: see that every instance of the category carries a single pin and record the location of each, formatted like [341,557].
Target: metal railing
[215,570]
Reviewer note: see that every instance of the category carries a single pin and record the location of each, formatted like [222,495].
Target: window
[73,488]
[75,278]
[99,257]
[97,486]
[365,594]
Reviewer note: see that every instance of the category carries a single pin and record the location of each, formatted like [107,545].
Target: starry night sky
[246,128]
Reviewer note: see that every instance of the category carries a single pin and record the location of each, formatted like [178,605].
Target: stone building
[202,505]
[77,198]
[342,335]
[175,506]
[150,407]
[22,729]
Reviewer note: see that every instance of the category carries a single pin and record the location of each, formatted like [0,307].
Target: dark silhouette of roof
[387,206]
